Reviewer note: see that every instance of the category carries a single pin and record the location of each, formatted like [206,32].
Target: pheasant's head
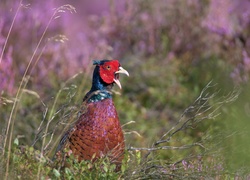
[107,73]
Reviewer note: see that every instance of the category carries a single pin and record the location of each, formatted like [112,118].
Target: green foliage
[28,163]
[236,128]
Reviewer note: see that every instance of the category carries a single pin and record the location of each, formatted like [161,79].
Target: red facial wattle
[109,72]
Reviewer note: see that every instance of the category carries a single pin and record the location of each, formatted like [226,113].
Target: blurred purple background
[169,30]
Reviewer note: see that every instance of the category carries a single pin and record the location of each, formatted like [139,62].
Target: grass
[177,124]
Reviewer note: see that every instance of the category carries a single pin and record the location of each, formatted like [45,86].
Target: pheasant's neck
[98,95]
[99,90]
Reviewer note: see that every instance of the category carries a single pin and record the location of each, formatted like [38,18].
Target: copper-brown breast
[98,132]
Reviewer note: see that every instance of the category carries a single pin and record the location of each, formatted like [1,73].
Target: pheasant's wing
[63,142]
[65,138]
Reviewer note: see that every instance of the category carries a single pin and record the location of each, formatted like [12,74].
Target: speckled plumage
[97,132]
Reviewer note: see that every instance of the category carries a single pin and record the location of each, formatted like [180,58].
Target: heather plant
[6,70]
[7,73]
[177,125]
[228,26]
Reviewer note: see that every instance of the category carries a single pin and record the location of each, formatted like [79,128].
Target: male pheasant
[98,132]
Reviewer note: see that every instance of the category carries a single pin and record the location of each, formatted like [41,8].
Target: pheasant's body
[97,132]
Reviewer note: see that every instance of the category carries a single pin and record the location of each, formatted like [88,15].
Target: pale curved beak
[120,71]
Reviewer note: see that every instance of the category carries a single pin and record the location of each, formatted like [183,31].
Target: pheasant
[98,132]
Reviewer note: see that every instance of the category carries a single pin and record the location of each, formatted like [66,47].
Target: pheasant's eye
[108,67]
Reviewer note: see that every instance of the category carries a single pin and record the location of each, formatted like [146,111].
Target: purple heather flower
[185,164]
[227,17]
[242,70]
[7,74]
[219,18]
